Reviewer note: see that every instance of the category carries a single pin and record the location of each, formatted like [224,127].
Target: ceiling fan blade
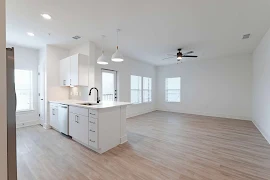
[171,55]
[168,58]
[190,52]
[190,56]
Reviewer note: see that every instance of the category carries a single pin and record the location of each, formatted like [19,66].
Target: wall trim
[26,124]
[209,115]
[46,126]
[264,134]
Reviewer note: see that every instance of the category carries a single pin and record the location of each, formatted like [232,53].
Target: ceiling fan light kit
[180,55]
[117,56]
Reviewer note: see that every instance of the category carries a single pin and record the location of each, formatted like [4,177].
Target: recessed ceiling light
[46,16]
[30,34]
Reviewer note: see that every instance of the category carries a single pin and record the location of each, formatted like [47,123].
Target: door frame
[40,96]
[115,82]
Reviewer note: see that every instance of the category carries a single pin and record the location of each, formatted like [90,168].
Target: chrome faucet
[98,100]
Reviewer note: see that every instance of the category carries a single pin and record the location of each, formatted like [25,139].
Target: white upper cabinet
[65,72]
[74,70]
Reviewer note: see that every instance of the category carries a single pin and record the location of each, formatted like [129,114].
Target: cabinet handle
[92,130]
[92,114]
[78,119]
[53,112]
[70,81]
[92,122]
[64,82]
[92,141]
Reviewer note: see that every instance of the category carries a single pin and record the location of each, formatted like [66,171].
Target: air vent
[76,37]
[246,36]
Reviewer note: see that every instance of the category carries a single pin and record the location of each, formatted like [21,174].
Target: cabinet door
[65,72]
[73,125]
[74,70]
[54,117]
[82,133]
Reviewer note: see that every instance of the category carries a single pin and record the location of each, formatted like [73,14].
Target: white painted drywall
[125,70]
[261,86]
[53,90]
[219,87]
[27,59]
[3,93]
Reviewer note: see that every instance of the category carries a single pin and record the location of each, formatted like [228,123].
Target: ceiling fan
[180,55]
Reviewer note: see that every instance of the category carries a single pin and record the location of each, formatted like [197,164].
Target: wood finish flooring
[160,146]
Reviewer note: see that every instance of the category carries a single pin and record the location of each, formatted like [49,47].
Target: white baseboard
[123,139]
[209,114]
[26,124]
[46,126]
[262,132]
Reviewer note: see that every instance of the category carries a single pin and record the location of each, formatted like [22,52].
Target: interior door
[109,85]
[41,93]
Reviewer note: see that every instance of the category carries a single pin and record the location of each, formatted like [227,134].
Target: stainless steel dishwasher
[63,119]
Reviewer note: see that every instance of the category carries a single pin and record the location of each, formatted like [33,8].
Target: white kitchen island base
[99,127]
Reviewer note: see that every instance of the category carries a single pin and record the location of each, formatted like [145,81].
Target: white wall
[27,59]
[53,90]
[124,70]
[3,93]
[261,86]
[219,87]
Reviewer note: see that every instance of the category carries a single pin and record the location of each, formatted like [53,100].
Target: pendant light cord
[117,37]
[103,37]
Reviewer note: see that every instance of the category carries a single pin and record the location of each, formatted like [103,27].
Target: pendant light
[102,59]
[117,56]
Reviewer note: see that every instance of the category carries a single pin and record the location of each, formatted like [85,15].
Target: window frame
[148,89]
[139,90]
[166,90]
[31,92]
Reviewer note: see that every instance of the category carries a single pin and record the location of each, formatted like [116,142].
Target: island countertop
[101,105]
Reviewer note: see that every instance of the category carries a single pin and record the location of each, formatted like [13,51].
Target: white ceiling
[150,28]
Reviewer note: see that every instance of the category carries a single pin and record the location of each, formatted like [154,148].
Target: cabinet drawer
[92,126]
[93,113]
[92,120]
[55,105]
[78,110]
[93,139]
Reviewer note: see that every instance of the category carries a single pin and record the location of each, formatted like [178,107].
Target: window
[24,90]
[173,89]
[136,89]
[147,89]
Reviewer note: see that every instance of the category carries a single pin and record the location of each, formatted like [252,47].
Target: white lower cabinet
[54,116]
[78,127]
[93,132]
[99,130]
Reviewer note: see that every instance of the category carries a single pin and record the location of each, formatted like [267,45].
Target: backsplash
[78,93]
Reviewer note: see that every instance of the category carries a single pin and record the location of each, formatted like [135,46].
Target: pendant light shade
[117,56]
[102,59]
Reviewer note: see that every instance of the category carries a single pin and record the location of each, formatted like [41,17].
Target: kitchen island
[99,127]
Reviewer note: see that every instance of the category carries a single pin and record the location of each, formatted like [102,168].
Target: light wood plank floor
[161,146]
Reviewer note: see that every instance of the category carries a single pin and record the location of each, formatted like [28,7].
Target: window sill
[25,111]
